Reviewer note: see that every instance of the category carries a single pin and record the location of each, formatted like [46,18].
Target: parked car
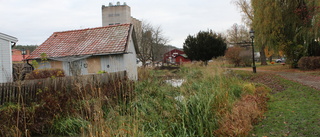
[282,60]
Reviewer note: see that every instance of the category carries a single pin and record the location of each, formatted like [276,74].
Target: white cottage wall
[81,64]
[112,63]
[5,61]
[130,61]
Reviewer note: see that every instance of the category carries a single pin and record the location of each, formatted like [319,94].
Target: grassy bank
[211,102]
[293,109]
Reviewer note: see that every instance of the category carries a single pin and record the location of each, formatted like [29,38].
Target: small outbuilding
[175,56]
[6,44]
[89,51]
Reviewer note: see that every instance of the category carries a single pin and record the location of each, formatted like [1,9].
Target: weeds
[70,126]
[150,107]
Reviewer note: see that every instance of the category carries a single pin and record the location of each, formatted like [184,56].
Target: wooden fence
[28,89]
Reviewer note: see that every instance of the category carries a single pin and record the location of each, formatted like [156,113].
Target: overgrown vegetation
[64,110]
[208,103]
[45,73]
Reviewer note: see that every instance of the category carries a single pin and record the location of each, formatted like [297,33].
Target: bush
[238,56]
[246,58]
[309,63]
[233,55]
[45,73]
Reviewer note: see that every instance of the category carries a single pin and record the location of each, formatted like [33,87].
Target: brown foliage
[246,112]
[233,55]
[309,63]
[45,73]
[238,56]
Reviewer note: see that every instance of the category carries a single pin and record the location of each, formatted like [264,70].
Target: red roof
[101,40]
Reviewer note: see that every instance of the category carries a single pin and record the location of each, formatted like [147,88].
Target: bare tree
[144,39]
[151,42]
[237,34]
[158,44]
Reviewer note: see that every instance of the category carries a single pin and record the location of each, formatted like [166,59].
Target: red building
[17,55]
[175,57]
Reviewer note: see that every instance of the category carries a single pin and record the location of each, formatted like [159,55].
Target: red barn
[175,57]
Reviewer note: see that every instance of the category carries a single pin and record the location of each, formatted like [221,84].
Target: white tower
[116,14]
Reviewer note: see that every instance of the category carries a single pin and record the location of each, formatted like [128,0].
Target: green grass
[70,126]
[295,111]
[208,94]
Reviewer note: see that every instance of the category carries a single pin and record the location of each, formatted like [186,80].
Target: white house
[6,43]
[88,51]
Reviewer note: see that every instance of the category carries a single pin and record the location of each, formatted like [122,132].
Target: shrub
[45,73]
[233,55]
[238,56]
[246,58]
[309,63]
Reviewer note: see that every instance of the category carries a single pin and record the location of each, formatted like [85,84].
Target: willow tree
[300,28]
[246,10]
[309,14]
[267,25]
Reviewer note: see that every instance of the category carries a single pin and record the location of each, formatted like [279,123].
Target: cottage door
[78,67]
[75,68]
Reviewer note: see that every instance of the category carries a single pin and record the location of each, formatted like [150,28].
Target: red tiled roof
[101,40]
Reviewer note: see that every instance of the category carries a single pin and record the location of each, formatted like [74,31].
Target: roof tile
[101,40]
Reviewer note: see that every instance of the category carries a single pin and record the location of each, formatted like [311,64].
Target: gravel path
[300,77]
[305,79]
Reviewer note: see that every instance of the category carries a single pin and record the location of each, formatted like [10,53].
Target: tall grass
[150,107]
[208,95]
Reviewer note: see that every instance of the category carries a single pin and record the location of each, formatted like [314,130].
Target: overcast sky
[33,21]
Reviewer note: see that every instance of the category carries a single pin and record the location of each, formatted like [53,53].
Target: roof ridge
[93,28]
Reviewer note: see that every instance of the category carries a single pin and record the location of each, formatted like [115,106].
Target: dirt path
[300,77]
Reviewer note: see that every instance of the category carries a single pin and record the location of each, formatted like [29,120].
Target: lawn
[293,109]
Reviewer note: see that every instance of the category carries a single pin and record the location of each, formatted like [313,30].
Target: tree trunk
[263,56]
[270,59]
[205,63]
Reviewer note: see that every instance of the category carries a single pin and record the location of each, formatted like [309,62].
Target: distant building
[17,55]
[119,14]
[175,56]
[88,51]
[6,44]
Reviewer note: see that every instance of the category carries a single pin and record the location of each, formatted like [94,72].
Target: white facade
[119,14]
[130,60]
[115,14]
[6,57]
